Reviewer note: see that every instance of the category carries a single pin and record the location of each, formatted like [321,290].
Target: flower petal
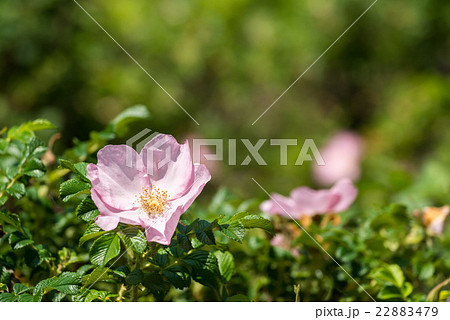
[169,165]
[115,180]
[162,229]
[107,223]
[347,194]
[311,202]
[108,212]
[281,205]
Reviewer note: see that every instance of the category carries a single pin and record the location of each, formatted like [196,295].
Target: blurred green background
[227,61]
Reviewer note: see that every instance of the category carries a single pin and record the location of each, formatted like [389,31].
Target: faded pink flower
[281,241]
[304,201]
[342,156]
[142,191]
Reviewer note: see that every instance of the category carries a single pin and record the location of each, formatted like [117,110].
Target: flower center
[153,201]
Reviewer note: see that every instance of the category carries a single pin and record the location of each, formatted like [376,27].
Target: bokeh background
[387,79]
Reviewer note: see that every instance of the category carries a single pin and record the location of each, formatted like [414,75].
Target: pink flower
[279,240]
[304,201]
[342,156]
[138,189]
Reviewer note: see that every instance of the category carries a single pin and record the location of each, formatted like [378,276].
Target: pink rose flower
[304,201]
[342,156]
[138,189]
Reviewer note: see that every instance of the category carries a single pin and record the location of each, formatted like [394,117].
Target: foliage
[114,265]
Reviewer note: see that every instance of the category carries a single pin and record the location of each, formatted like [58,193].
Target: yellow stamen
[153,201]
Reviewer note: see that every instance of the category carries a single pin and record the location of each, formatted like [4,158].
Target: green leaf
[129,116]
[178,276]
[104,249]
[134,277]
[389,292]
[134,239]
[36,125]
[19,240]
[427,271]
[67,283]
[160,259]
[204,268]
[239,216]
[203,231]
[8,297]
[34,168]
[26,130]
[97,275]
[79,168]
[255,221]
[72,188]
[19,288]
[235,231]
[391,274]
[26,297]
[225,262]
[87,210]
[407,290]
[92,232]
[17,190]
[183,241]
[157,285]
[11,219]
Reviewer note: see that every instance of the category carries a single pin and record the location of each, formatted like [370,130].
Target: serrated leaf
[97,275]
[255,221]
[204,268]
[225,262]
[87,210]
[26,297]
[235,231]
[160,259]
[66,282]
[34,168]
[134,239]
[183,242]
[104,249]
[204,233]
[20,288]
[92,232]
[72,188]
[178,276]
[8,297]
[17,190]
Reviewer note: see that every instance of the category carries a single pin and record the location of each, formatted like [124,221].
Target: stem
[121,292]
[434,293]
[135,288]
